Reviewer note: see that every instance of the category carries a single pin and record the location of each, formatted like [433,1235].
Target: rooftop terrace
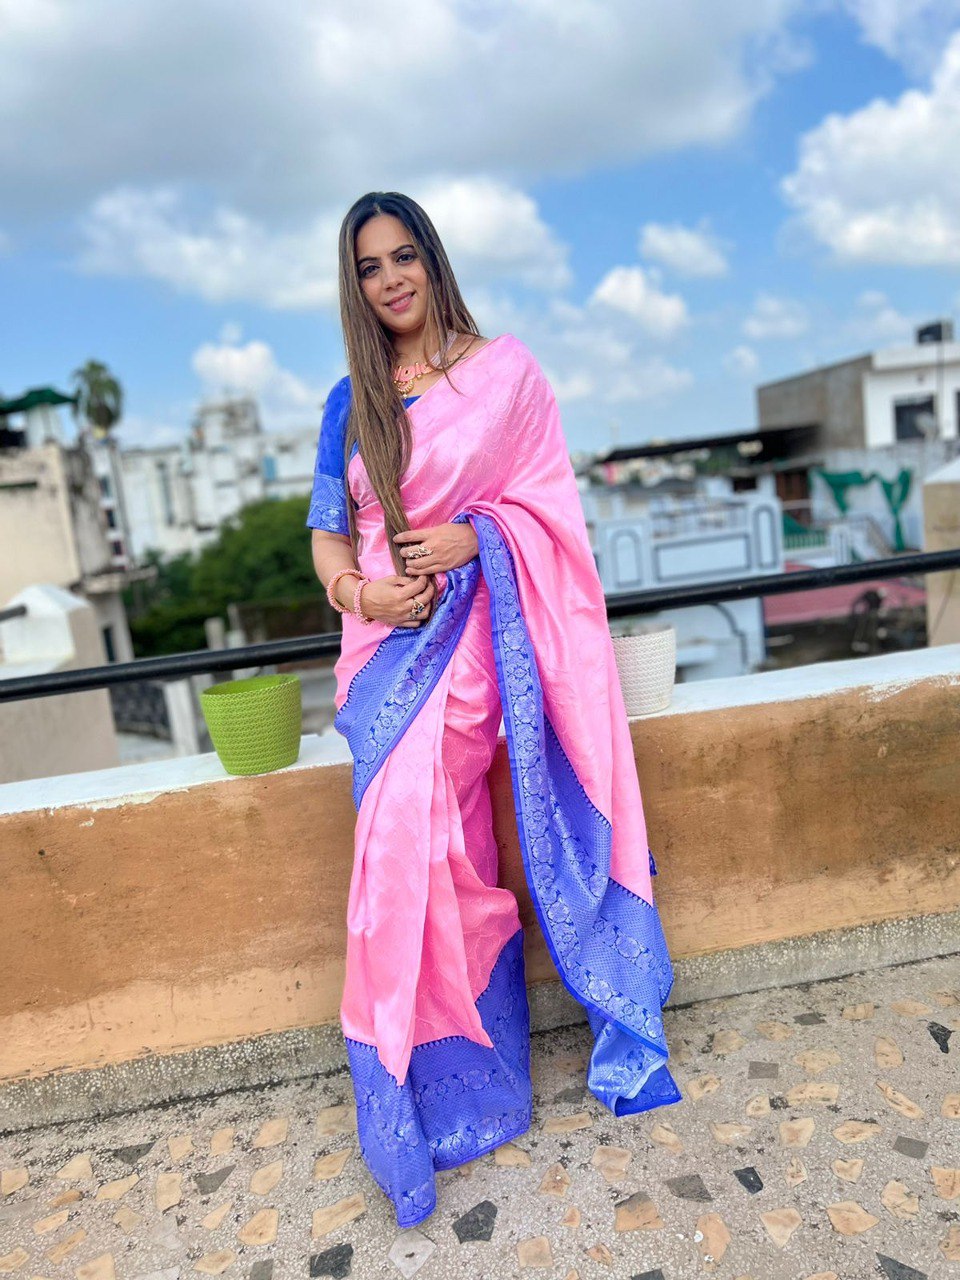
[819,1136]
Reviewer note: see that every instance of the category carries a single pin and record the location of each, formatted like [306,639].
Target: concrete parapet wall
[167,907]
[61,733]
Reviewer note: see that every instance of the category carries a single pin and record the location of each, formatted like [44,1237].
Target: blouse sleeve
[328,501]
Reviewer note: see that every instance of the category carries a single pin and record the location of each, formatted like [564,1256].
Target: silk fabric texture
[434,1008]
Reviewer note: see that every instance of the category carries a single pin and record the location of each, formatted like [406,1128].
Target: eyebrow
[400,249]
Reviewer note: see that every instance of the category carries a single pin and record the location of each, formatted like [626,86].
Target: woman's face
[392,275]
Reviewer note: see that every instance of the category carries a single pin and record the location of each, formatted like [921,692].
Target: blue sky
[668,202]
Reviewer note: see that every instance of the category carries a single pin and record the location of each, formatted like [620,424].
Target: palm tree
[99,400]
[99,397]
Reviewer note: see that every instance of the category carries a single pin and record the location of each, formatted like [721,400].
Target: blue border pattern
[328,508]
[399,675]
[460,1099]
[605,941]
[328,500]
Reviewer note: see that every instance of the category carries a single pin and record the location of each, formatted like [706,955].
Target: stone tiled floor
[819,1136]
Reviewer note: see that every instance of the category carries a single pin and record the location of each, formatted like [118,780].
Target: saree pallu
[434,1009]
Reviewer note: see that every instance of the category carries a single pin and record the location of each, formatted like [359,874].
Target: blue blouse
[328,501]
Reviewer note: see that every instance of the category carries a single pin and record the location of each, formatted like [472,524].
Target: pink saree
[434,1009]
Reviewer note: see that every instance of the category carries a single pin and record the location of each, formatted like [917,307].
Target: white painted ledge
[142,782]
[883,674]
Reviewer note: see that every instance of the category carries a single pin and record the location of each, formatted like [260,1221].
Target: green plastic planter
[255,723]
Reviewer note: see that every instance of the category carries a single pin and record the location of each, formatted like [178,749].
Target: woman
[472,593]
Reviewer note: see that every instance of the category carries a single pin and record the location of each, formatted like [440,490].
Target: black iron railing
[622,605]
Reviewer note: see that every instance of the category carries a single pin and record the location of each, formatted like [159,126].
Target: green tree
[261,555]
[170,585]
[99,397]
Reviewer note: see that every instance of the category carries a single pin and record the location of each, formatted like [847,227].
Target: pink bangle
[356,602]
[331,585]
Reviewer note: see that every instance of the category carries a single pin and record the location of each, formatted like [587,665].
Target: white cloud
[489,229]
[742,361]
[283,110]
[140,431]
[650,379]
[633,291]
[568,387]
[593,361]
[880,185]
[912,32]
[227,368]
[774,317]
[875,321]
[688,251]
[222,258]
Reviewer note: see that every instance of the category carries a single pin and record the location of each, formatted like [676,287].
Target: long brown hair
[378,419]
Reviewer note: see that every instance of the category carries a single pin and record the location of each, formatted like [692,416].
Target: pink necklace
[407,376]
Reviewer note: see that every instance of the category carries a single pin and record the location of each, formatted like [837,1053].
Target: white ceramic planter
[647,665]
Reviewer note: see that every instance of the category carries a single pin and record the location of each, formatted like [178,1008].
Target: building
[179,495]
[173,499]
[874,401]
[52,516]
[875,426]
[653,522]
[850,440]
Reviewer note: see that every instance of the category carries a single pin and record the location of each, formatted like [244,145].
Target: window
[915,418]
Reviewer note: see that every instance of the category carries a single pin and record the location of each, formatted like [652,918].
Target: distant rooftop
[773,442]
[33,399]
[933,346]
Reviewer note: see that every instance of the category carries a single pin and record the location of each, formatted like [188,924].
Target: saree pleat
[461,1094]
[434,1010]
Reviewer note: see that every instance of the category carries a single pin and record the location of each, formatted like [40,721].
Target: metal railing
[621,605]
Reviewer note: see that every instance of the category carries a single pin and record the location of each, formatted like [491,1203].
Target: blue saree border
[460,1099]
[399,676]
[605,941]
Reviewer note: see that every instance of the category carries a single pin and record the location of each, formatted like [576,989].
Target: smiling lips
[401,303]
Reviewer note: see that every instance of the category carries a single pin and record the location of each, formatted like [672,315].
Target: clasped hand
[450,546]
[390,599]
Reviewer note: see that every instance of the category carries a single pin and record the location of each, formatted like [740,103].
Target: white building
[876,426]
[178,496]
[912,393]
[876,400]
[683,535]
[52,519]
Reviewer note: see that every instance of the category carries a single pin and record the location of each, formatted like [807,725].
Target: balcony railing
[622,605]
